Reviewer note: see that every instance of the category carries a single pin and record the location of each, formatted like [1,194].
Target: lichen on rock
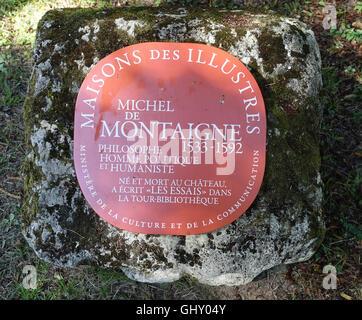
[284,224]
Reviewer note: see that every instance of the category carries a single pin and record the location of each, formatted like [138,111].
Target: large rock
[284,224]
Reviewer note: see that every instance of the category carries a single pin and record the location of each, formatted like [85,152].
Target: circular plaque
[169,138]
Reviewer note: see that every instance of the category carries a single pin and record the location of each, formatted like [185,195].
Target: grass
[341,158]
[20,18]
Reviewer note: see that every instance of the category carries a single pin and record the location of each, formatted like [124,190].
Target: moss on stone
[225,38]
[184,257]
[271,47]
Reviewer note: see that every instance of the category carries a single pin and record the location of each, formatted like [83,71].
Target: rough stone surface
[284,224]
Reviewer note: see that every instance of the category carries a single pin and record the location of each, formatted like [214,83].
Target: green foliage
[331,81]
[19,19]
[7,6]
[353,184]
[358,7]
[351,229]
[347,32]
[292,7]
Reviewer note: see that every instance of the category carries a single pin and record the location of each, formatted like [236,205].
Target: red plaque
[169,138]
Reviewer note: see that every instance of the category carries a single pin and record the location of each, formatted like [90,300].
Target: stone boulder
[284,224]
